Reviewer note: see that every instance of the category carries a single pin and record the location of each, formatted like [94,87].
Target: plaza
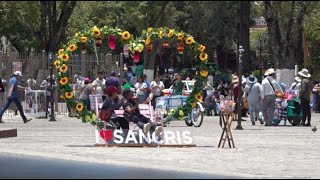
[261,151]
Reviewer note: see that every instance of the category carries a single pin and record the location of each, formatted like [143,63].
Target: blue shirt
[14,82]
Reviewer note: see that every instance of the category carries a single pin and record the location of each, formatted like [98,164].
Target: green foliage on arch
[94,38]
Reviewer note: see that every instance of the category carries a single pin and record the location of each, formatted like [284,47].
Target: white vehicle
[188,85]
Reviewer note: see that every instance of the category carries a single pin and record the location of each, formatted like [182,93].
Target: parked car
[188,85]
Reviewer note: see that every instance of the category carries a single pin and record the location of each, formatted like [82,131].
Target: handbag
[105,114]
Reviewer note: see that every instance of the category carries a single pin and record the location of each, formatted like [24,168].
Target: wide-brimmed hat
[17,73]
[234,79]
[269,72]
[297,79]
[251,79]
[304,73]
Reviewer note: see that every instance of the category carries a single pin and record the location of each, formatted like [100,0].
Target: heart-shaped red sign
[106,134]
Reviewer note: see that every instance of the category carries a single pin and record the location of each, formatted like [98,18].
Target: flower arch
[94,37]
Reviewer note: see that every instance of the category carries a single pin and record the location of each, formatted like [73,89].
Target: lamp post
[239,127]
[52,118]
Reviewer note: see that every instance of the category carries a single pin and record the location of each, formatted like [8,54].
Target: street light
[239,100]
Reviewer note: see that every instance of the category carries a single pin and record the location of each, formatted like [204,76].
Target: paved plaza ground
[261,152]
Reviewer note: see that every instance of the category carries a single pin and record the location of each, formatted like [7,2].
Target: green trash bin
[294,111]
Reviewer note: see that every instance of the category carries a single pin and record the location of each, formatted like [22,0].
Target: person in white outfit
[268,95]
[296,85]
[99,85]
[252,92]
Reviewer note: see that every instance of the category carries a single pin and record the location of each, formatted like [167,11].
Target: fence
[36,66]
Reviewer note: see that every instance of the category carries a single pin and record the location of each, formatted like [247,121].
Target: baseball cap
[17,73]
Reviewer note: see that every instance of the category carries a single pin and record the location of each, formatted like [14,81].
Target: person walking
[268,95]
[252,93]
[304,95]
[13,96]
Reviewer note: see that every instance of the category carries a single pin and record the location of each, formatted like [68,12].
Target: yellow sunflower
[63,81]
[148,41]
[170,34]
[60,51]
[149,29]
[193,105]
[64,57]
[203,56]
[201,48]
[96,32]
[83,39]
[56,63]
[199,97]
[68,95]
[189,40]
[204,73]
[79,107]
[72,47]
[126,35]
[180,36]
[160,34]
[63,68]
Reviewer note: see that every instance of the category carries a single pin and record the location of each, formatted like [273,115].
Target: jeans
[140,120]
[19,106]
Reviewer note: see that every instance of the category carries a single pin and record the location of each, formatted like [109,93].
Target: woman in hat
[296,85]
[304,95]
[252,92]
[268,95]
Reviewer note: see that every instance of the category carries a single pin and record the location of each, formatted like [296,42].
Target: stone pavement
[261,152]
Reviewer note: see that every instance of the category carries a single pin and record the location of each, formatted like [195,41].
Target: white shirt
[139,86]
[97,83]
[267,88]
[210,80]
[157,90]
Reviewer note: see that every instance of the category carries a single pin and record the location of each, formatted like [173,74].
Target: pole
[260,49]
[239,100]
[52,118]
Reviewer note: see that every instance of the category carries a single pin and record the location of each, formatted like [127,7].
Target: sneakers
[158,131]
[261,122]
[27,120]
[308,124]
[146,128]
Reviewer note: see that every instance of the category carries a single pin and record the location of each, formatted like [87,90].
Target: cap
[127,91]
[110,90]
[17,73]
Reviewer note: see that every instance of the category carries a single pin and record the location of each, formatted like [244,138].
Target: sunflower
[170,34]
[189,40]
[72,47]
[203,56]
[79,107]
[63,81]
[60,51]
[56,63]
[149,29]
[126,35]
[148,41]
[204,73]
[64,57]
[193,105]
[201,48]
[63,68]
[83,39]
[96,32]
[180,36]
[160,34]
[199,97]
[68,95]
